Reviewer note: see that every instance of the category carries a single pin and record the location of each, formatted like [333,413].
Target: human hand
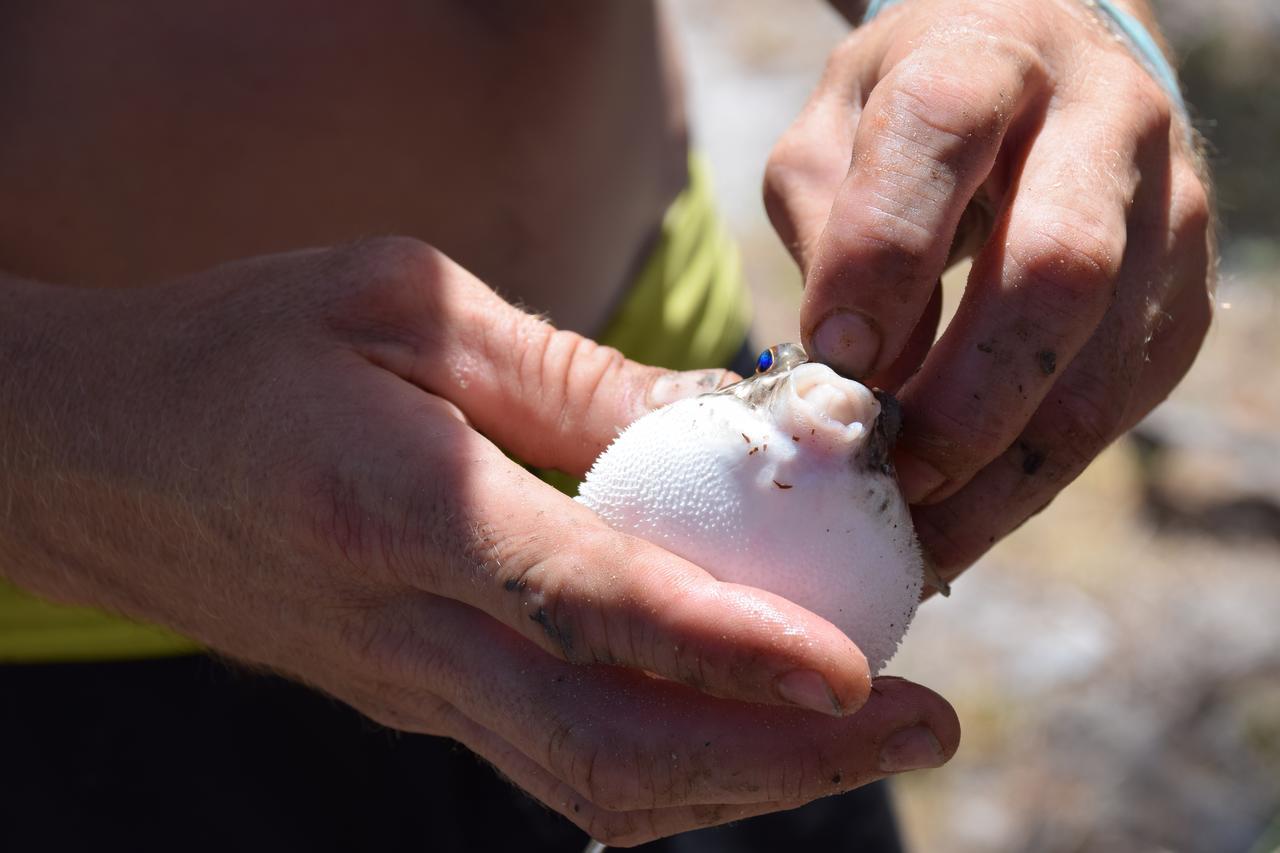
[286,459]
[1027,134]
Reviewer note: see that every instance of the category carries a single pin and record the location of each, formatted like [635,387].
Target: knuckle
[587,369]
[890,247]
[940,102]
[547,613]
[1192,214]
[1083,424]
[564,374]
[399,258]
[1151,109]
[597,764]
[570,612]
[784,173]
[955,107]
[1072,254]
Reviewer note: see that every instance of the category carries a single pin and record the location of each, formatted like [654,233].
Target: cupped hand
[296,460]
[1027,135]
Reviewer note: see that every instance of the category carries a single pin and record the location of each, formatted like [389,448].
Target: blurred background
[1115,663]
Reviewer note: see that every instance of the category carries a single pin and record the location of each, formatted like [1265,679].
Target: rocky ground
[1115,663]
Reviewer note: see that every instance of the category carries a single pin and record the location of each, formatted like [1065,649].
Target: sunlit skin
[230,405]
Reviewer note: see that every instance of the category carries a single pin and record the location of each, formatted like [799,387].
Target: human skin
[1026,135]
[272,457]
[295,460]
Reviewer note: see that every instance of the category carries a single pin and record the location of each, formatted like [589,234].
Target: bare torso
[537,144]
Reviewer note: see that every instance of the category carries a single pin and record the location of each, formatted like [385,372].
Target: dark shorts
[192,754]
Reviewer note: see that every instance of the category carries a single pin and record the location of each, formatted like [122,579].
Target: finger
[439,508]
[811,159]
[1180,329]
[615,828]
[553,398]
[1114,380]
[625,741]
[927,139]
[895,375]
[1037,291]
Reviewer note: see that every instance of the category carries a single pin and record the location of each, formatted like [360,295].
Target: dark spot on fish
[812,431]
[744,437]
[577,808]
[766,446]
[706,743]
[1032,459]
[782,485]
[977,396]
[511,584]
[835,778]
[795,438]
[1048,361]
[753,451]
[884,504]
[984,348]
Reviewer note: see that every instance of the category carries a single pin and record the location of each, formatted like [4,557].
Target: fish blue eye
[765,361]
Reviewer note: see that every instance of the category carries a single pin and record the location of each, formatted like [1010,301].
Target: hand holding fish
[1030,136]
[295,460]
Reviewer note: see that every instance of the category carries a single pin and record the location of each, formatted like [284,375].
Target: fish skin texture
[764,489]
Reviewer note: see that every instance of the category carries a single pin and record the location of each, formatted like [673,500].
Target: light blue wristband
[875,7]
[1125,26]
[1144,47]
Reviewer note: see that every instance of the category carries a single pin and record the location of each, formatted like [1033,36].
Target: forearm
[44,532]
[73,490]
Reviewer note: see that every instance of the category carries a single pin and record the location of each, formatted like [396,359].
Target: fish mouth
[842,407]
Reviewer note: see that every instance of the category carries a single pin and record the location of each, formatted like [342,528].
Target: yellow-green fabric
[687,309]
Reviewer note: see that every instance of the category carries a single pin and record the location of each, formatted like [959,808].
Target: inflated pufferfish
[782,482]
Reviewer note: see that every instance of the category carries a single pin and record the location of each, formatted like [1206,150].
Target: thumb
[553,398]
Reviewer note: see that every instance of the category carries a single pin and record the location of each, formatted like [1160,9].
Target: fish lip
[851,413]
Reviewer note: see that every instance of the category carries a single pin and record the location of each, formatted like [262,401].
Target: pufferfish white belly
[781,482]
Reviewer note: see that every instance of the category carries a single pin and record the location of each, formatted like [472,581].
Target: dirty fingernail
[918,478]
[677,386]
[808,689]
[912,748]
[848,342]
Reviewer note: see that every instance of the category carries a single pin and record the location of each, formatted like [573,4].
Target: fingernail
[912,748]
[677,386]
[918,478]
[808,689]
[848,342]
